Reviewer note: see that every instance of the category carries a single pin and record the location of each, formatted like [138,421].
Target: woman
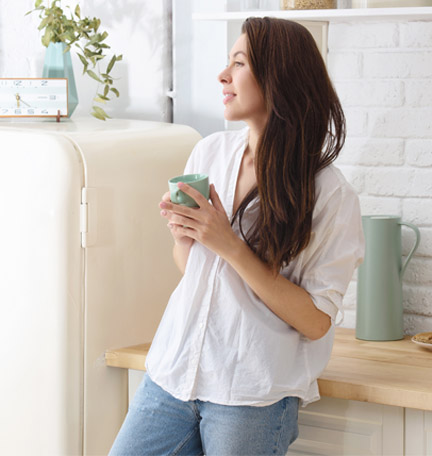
[266,262]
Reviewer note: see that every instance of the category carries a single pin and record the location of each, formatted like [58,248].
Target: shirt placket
[198,343]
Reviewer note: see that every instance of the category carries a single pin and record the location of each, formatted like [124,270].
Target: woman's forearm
[288,301]
[181,253]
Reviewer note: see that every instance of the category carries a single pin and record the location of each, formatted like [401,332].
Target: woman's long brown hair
[305,132]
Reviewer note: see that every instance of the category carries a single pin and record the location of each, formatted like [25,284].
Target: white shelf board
[423,13]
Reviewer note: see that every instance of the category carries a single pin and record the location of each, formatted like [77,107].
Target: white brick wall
[383,75]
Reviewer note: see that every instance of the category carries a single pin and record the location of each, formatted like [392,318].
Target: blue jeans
[159,424]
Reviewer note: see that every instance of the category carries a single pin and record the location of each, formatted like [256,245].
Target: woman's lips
[228,97]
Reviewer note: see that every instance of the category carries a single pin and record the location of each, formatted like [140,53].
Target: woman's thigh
[158,424]
[245,430]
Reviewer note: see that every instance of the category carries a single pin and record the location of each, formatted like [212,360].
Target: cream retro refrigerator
[84,266]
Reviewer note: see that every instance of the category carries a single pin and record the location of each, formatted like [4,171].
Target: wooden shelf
[423,13]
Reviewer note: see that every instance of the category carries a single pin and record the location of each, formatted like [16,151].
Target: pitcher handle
[408,258]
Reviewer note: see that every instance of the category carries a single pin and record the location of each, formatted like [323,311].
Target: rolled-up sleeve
[336,247]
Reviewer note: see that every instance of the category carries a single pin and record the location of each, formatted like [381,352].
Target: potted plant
[81,33]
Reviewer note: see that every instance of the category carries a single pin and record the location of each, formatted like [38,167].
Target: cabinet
[418,432]
[345,427]
[332,427]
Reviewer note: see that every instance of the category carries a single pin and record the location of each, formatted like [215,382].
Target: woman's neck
[254,136]
[255,131]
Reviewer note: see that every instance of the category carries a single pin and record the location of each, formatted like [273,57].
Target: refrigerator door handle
[88,217]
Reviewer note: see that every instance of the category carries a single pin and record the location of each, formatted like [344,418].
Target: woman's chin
[230,116]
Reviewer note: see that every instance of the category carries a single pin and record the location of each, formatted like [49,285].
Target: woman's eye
[235,64]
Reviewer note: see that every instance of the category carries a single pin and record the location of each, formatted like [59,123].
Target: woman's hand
[179,238]
[208,224]
[182,244]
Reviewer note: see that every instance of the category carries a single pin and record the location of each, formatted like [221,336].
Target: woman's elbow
[321,327]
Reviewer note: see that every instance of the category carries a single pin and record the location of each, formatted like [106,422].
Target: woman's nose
[224,76]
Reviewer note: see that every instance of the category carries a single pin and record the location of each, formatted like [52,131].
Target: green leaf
[99,113]
[78,11]
[100,99]
[111,64]
[84,62]
[106,90]
[88,53]
[44,23]
[119,57]
[93,75]
[46,39]
[70,37]
[94,40]
[115,91]
[38,3]
[82,58]
[100,110]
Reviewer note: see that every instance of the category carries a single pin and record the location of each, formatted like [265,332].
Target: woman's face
[243,99]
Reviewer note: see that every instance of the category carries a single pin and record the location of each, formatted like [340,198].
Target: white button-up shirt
[217,340]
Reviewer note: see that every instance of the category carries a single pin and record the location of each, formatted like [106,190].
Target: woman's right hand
[179,239]
[182,244]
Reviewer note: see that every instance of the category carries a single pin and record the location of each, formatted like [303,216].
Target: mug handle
[408,258]
[179,196]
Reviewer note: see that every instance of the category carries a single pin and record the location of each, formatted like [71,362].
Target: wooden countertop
[395,373]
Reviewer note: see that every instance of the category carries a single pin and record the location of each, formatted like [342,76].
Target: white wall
[199,56]
[383,75]
[138,29]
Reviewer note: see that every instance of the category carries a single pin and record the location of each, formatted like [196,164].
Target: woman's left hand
[208,224]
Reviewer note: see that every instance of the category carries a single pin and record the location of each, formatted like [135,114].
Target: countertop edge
[330,382]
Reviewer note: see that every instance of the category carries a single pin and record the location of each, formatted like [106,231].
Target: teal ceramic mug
[199,182]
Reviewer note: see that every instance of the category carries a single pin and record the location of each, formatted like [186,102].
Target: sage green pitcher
[379,286]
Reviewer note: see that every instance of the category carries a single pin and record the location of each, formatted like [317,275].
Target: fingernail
[169,225]
[163,213]
[163,205]
[180,184]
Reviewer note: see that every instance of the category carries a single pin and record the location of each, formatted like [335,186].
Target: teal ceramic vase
[379,286]
[58,64]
